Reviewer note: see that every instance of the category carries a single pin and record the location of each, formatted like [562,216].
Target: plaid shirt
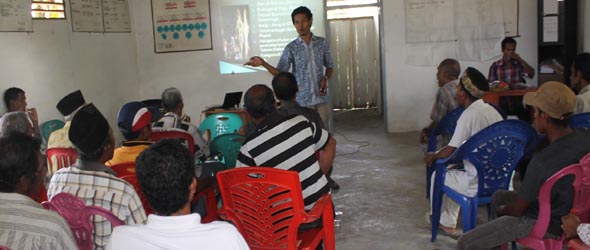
[510,73]
[99,188]
[445,101]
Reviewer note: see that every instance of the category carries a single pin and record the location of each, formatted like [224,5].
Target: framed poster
[181,25]
[86,15]
[15,15]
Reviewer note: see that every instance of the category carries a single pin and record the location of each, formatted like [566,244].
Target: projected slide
[260,27]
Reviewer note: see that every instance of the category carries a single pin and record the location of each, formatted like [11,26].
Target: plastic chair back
[172,134]
[445,126]
[495,152]
[125,168]
[65,157]
[4,248]
[132,179]
[219,124]
[229,146]
[79,217]
[581,120]
[49,126]
[581,205]
[266,205]
[577,244]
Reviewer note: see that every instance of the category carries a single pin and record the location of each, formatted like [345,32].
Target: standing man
[447,76]
[511,68]
[580,81]
[311,62]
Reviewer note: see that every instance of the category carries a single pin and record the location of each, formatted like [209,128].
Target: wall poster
[181,25]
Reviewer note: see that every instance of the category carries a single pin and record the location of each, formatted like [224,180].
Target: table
[494,97]
[241,112]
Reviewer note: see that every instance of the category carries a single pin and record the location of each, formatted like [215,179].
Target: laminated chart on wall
[116,16]
[15,15]
[86,15]
[181,25]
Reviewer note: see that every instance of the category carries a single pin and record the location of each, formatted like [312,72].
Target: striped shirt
[103,189]
[171,121]
[445,101]
[289,143]
[24,224]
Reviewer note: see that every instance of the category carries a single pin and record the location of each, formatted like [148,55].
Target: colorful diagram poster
[181,25]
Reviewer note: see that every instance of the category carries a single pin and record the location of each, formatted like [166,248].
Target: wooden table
[494,97]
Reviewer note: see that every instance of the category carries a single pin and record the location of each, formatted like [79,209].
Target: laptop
[232,100]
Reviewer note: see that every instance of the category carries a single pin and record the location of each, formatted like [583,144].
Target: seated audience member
[173,104]
[15,121]
[166,174]
[15,100]
[67,106]
[553,103]
[572,227]
[580,81]
[24,224]
[284,85]
[447,76]
[91,180]
[477,116]
[288,143]
[134,121]
[511,68]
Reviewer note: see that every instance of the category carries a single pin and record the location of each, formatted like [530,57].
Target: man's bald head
[259,101]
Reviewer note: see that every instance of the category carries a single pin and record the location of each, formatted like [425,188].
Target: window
[48,9]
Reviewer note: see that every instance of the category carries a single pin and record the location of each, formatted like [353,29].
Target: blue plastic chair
[229,146]
[220,123]
[495,152]
[49,126]
[446,126]
[581,120]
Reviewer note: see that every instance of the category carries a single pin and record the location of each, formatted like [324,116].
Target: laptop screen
[232,100]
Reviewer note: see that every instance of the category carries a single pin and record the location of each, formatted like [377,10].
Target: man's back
[171,121]
[100,189]
[24,224]
[289,143]
[177,232]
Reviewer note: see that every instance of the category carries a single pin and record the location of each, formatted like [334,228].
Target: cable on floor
[358,149]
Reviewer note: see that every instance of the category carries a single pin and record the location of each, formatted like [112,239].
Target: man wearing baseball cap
[134,122]
[553,103]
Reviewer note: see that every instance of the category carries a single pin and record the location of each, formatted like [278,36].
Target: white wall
[194,73]
[410,89]
[53,61]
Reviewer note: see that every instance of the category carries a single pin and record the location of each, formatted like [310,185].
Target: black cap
[70,102]
[89,129]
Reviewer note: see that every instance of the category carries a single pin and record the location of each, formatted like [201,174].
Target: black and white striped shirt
[289,143]
[24,224]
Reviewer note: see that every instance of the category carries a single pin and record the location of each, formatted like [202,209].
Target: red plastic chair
[266,205]
[581,205]
[210,204]
[125,168]
[577,244]
[79,217]
[169,134]
[65,157]
[132,179]
[4,248]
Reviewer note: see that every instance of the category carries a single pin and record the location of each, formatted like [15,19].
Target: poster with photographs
[181,25]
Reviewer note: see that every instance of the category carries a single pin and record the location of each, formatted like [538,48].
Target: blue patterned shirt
[308,62]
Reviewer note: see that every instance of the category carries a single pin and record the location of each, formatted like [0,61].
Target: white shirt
[476,117]
[177,232]
[583,101]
